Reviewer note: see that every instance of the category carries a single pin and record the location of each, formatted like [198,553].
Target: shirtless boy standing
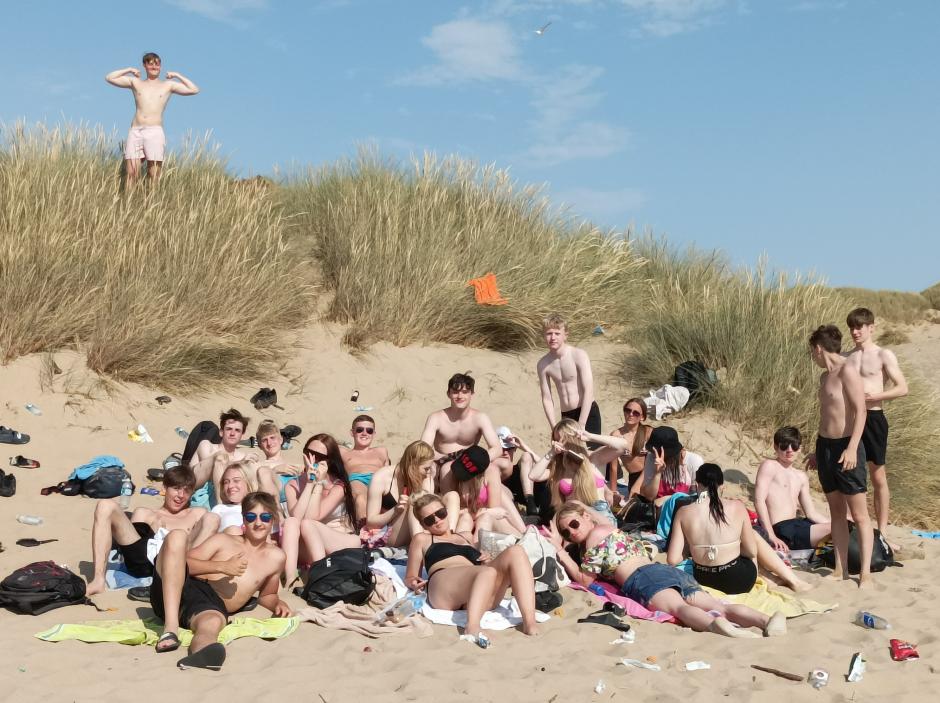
[363,460]
[840,455]
[146,139]
[780,489]
[569,368]
[199,588]
[875,365]
[132,536]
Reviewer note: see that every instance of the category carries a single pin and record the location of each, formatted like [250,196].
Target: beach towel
[928,535]
[613,595]
[767,601]
[99,462]
[149,631]
[485,291]
[666,400]
[116,576]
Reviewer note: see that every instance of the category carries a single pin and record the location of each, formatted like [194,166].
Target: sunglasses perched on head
[784,446]
[367,430]
[315,455]
[429,520]
[252,517]
[566,531]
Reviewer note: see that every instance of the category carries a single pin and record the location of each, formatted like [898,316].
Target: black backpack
[105,482]
[694,376]
[342,576]
[41,586]
[7,484]
[882,556]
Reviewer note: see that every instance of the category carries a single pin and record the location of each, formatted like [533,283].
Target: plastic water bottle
[181,432]
[127,490]
[29,519]
[33,409]
[871,621]
[596,589]
[404,607]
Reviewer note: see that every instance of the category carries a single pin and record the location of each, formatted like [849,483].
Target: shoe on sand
[209,657]
[9,436]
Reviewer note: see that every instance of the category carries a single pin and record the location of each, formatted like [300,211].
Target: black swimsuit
[438,551]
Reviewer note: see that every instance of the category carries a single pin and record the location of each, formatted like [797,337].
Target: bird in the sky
[541,30]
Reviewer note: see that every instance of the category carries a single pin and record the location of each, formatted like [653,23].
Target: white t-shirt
[229,515]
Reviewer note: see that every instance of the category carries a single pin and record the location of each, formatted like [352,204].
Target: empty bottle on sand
[29,519]
[871,621]
[127,490]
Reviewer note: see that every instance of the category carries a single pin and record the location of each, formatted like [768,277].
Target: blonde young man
[146,140]
[877,367]
[569,369]
[363,460]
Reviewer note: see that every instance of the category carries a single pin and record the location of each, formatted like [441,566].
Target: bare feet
[96,585]
[866,583]
[720,626]
[776,626]
[800,586]
[531,629]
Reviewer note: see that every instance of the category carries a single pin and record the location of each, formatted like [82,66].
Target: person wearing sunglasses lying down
[459,576]
[198,588]
[363,460]
[617,557]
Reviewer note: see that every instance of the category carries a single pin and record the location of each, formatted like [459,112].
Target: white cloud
[219,10]
[607,206]
[469,50]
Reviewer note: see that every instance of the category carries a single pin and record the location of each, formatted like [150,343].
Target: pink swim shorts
[145,143]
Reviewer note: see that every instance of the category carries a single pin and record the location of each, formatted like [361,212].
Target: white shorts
[145,143]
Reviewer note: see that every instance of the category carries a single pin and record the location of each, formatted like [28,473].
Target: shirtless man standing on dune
[840,455]
[569,368]
[146,139]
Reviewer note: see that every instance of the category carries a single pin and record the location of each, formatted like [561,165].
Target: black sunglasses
[316,455]
[429,520]
[252,517]
[632,413]
[566,531]
[784,446]
[367,430]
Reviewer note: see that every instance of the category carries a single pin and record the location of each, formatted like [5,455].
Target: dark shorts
[795,532]
[648,580]
[197,597]
[737,576]
[831,475]
[875,437]
[593,424]
[135,553]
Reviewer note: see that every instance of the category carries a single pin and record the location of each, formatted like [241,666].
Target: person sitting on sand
[131,536]
[394,487]
[483,495]
[459,576]
[636,433]
[457,427]
[202,453]
[363,460]
[622,559]
[274,471]
[199,587]
[524,490]
[780,489]
[718,535]
[235,486]
[669,468]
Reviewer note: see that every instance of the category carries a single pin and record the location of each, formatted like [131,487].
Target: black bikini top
[438,551]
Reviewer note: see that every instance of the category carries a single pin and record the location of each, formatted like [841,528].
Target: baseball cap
[470,463]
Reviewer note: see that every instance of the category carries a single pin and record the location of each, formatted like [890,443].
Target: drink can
[818,678]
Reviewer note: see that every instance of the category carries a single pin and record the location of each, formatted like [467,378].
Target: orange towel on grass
[485,291]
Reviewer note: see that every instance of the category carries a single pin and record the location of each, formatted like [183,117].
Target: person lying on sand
[622,559]
[198,587]
[483,495]
[459,576]
[363,460]
[394,487]
[131,536]
[780,489]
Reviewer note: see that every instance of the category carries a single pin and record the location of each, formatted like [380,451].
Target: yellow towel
[768,602]
[149,631]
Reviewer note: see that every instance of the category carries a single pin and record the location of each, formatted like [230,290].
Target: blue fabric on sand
[116,577]
[99,462]
[928,535]
[204,497]
[666,512]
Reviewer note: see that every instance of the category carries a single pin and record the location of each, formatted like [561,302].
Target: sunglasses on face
[784,446]
[429,520]
[566,531]
[367,430]
[632,413]
[252,517]
[316,455]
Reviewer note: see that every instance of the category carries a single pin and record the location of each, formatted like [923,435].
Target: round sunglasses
[566,531]
[367,430]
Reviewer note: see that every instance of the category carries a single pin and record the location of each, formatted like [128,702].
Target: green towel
[149,631]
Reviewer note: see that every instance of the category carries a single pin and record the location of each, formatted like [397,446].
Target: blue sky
[808,130]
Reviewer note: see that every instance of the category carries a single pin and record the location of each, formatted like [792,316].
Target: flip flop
[167,637]
[23,463]
[290,432]
[250,605]
[33,542]
[9,436]
[209,657]
[139,593]
[171,462]
[609,619]
[156,474]
[163,399]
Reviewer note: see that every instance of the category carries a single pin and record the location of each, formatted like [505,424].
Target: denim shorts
[648,580]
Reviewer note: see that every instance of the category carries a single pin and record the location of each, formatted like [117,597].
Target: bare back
[836,414]
[712,542]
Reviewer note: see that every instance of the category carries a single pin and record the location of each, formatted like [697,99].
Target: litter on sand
[636,663]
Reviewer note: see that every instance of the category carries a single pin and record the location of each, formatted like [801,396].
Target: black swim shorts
[795,532]
[135,553]
[831,475]
[593,423]
[875,437]
[197,597]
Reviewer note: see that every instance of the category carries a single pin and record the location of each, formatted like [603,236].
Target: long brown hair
[408,469]
[642,430]
[583,487]
[336,470]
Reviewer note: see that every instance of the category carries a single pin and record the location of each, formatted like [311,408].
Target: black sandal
[609,619]
[172,638]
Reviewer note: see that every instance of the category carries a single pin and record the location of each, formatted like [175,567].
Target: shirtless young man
[198,587]
[146,139]
[363,460]
[780,489]
[876,365]
[210,460]
[132,535]
[840,455]
[569,368]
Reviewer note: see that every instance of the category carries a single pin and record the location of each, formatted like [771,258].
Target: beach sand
[82,419]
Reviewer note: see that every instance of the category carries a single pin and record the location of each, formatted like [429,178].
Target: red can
[902,651]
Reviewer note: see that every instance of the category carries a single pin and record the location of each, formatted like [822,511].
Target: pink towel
[634,609]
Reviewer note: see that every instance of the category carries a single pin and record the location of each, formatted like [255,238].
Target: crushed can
[818,678]
[903,651]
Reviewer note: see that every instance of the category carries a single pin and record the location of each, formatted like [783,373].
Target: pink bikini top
[564,485]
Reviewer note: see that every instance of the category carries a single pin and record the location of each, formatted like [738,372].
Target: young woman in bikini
[621,559]
[482,494]
[635,432]
[459,576]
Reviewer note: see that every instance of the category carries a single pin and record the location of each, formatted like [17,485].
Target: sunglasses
[429,520]
[632,413]
[784,446]
[566,531]
[316,455]
[252,517]
[367,430]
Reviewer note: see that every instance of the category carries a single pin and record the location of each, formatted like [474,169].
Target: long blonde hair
[583,487]
[408,468]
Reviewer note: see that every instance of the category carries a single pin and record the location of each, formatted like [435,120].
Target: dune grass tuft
[932,295]
[890,305]
[185,285]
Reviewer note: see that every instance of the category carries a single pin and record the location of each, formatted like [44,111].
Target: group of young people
[234,523]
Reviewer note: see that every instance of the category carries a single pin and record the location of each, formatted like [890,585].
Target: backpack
[41,586]
[637,514]
[695,377]
[547,572]
[106,483]
[882,556]
[7,484]
[342,576]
